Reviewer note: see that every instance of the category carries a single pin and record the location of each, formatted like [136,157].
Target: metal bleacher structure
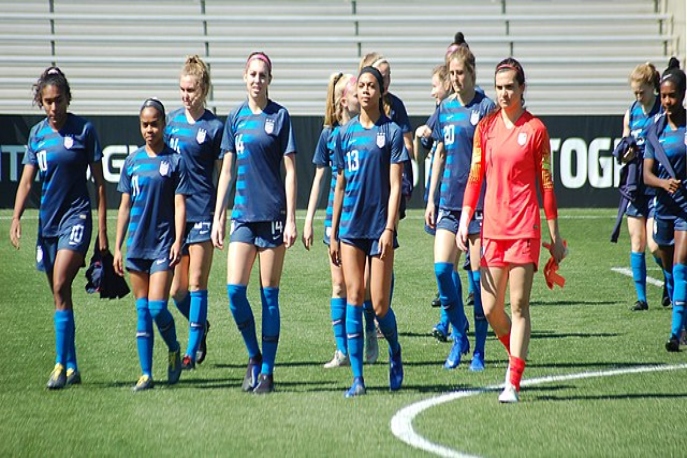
[577,54]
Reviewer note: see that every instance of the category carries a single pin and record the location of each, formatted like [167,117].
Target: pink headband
[350,84]
[451,49]
[507,67]
[260,56]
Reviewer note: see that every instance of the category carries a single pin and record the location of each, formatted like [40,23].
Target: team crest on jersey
[164,168]
[68,142]
[381,139]
[269,126]
[474,117]
[200,136]
[522,138]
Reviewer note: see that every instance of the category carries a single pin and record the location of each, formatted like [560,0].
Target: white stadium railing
[577,58]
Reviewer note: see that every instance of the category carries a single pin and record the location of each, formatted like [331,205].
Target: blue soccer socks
[451,301]
[387,324]
[144,336]
[369,314]
[165,323]
[184,305]
[638,265]
[271,324]
[481,324]
[61,319]
[679,297]
[354,334]
[197,318]
[243,316]
[338,313]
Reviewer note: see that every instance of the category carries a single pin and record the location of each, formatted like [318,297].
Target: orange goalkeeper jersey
[512,161]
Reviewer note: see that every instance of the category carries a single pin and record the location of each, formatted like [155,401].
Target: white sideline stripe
[402,422]
[628,272]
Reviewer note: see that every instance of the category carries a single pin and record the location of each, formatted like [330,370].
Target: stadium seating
[577,55]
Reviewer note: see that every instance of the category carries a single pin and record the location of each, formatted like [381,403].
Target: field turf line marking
[402,421]
[628,272]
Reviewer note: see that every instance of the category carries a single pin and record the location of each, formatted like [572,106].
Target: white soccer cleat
[509,395]
[339,360]
[371,347]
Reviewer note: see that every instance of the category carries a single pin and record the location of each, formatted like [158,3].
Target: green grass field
[585,327]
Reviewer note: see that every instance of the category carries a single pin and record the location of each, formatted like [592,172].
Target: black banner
[584,171]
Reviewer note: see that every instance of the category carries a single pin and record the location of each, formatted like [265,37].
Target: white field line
[402,422]
[628,272]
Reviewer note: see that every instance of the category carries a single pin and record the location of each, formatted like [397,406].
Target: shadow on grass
[554,335]
[567,303]
[422,335]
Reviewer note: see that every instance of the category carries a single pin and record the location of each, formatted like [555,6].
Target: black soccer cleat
[265,384]
[203,349]
[639,306]
[250,381]
[673,345]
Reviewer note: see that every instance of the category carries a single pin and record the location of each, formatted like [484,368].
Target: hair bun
[673,63]
[459,38]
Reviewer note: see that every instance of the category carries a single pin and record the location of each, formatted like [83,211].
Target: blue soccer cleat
[477,364]
[459,348]
[395,371]
[357,389]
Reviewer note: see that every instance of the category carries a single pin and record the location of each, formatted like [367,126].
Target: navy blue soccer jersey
[324,157]
[62,159]
[199,145]
[260,141]
[431,145]
[639,121]
[365,156]
[399,115]
[673,143]
[455,129]
[152,182]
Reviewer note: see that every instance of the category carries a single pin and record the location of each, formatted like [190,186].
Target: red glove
[551,274]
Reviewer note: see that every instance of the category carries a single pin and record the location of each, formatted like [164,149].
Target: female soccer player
[370,156]
[61,148]
[454,131]
[342,104]
[644,81]
[196,134]
[665,146]
[257,138]
[395,109]
[441,88]
[153,210]
[511,152]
